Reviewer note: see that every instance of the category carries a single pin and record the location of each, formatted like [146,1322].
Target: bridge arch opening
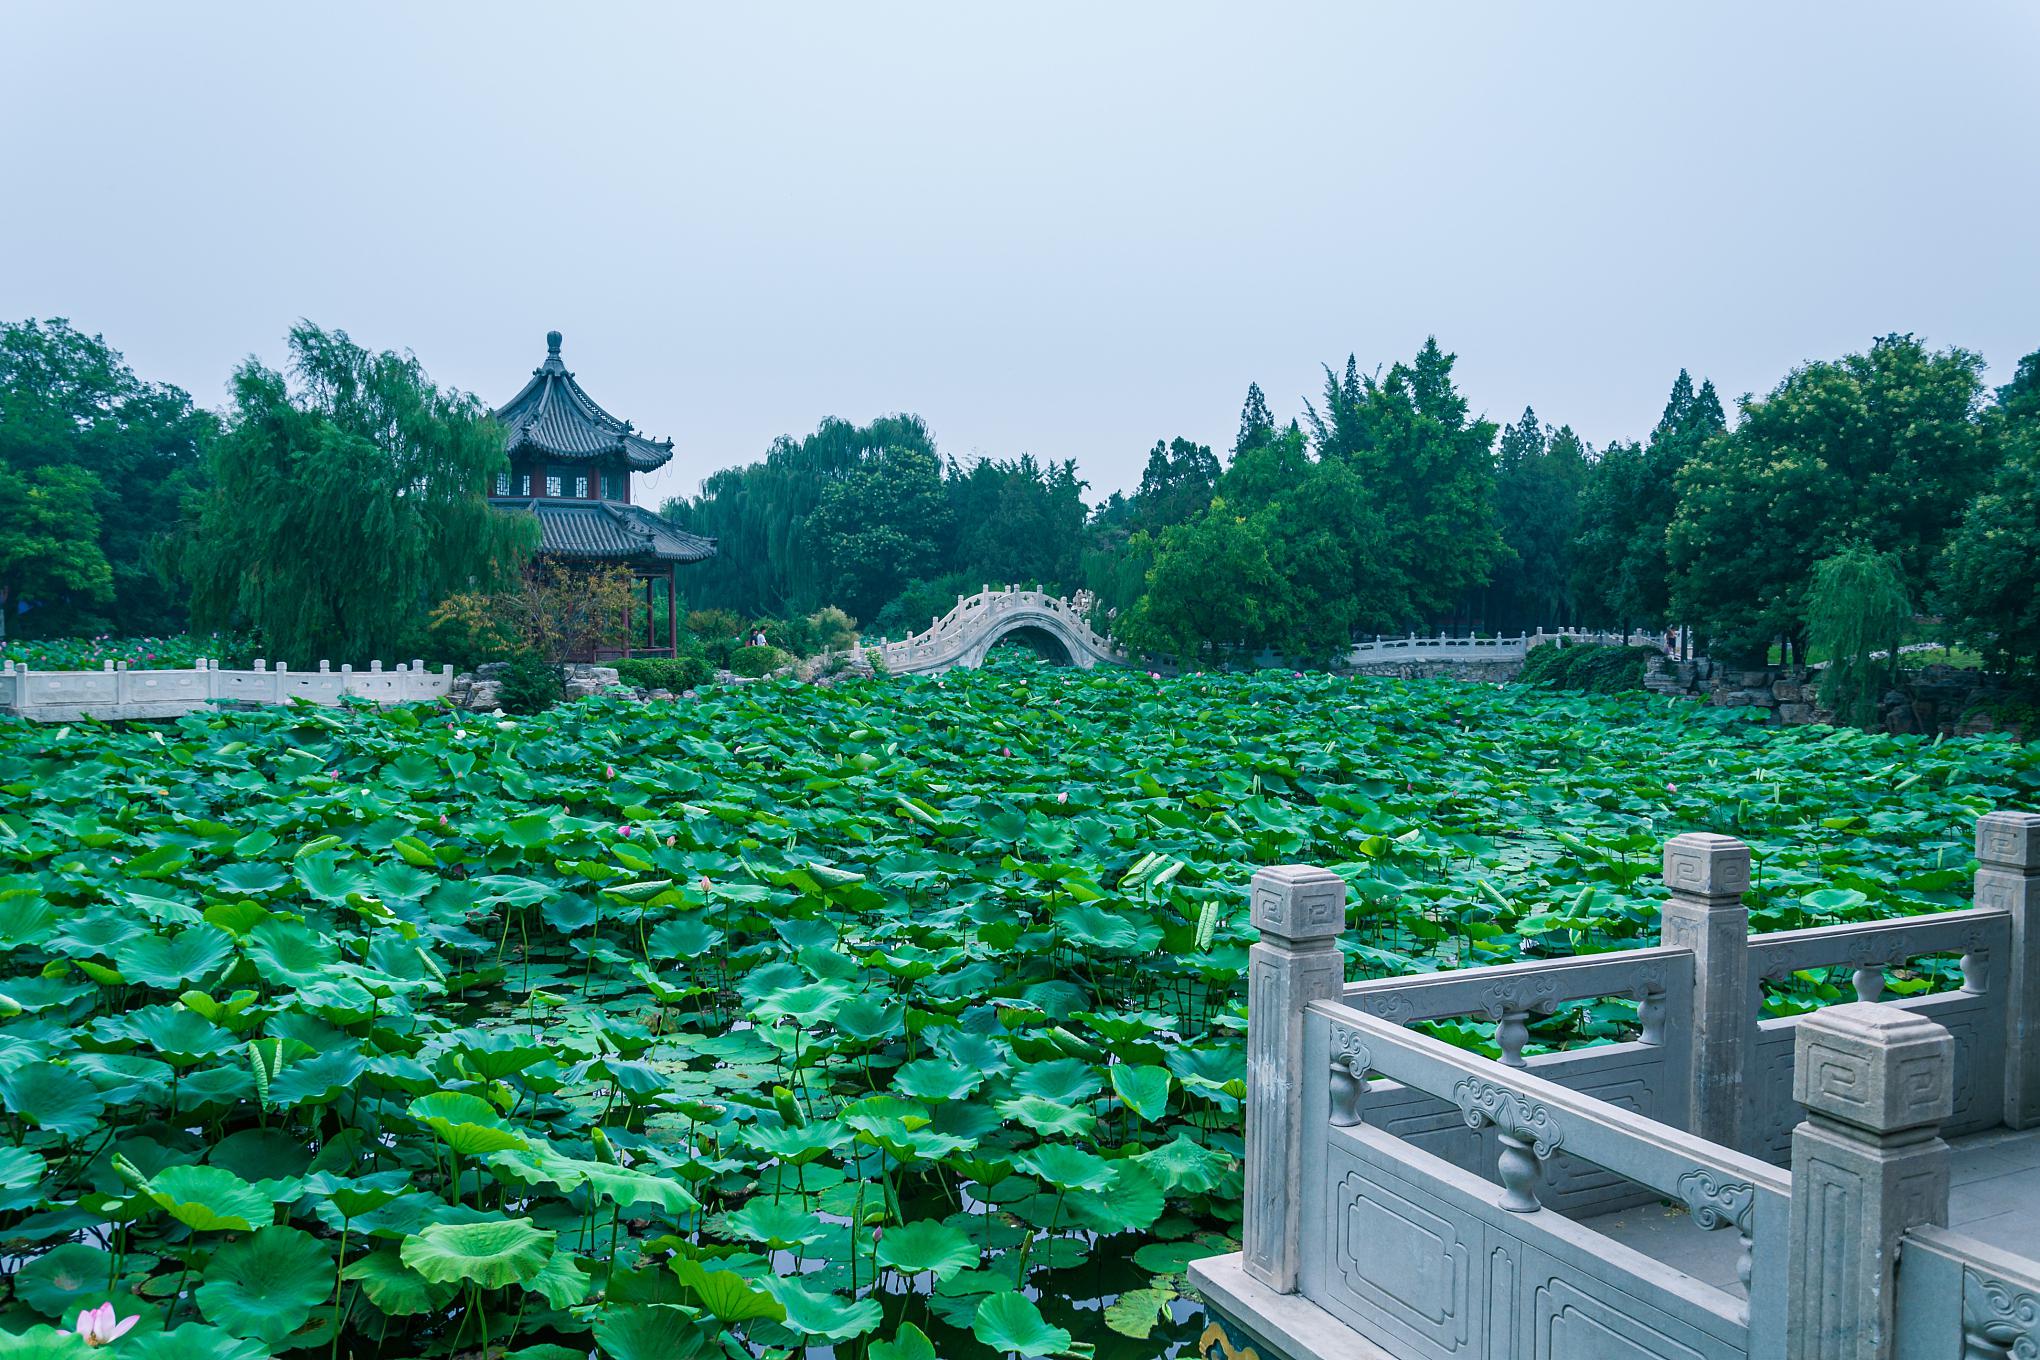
[1036,639]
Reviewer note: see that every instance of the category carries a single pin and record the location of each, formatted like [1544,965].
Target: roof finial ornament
[552,343]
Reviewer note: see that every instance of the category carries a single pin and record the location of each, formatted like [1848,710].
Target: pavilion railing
[119,691]
[1436,1202]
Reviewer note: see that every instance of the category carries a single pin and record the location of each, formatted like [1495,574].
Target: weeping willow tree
[1856,613]
[346,500]
[773,555]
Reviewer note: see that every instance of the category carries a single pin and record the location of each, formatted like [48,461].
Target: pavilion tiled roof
[609,530]
[555,417]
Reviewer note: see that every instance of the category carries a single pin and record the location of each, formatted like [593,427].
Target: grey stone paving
[1995,1198]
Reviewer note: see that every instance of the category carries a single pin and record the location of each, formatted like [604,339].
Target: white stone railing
[1409,1197]
[118,691]
[1441,647]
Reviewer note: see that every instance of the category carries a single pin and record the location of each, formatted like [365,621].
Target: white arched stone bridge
[1060,630]
[1055,628]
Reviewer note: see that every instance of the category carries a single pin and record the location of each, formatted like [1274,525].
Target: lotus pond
[897,1020]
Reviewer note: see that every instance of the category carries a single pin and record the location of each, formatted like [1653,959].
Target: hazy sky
[1058,230]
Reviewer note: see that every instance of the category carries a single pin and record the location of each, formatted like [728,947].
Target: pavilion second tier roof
[553,416]
[609,532]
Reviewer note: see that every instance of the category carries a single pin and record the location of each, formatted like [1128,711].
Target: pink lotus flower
[1670,787]
[626,830]
[1005,750]
[1062,798]
[99,1327]
[609,772]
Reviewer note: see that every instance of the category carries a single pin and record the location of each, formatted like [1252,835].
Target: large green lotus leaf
[414,769]
[562,1283]
[43,1342]
[287,952]
[491,1253]
[1065,1167]
[338,1198]
[1144,1089]
[1136,1312]
[210,1198]
[1183,1165]
[325,877]
[53,1098]
[1064,1079]
[1047,1117]
[779,1226]
[909,1343]
[26,922]
[398,882]
[64,1277]
[648,1331]
[174,962]
[466,1123]
[625,1186]
[252,876]
[1133,1201]
[728,1296]
[317,1080]
[21,1176]
[394,1287]
[261,1155]
[180,1035]
[98,933]
[823,1315]
[936,1079]
[1173,1258]
[192,1341]
[266,1285]
[926,1245]
[1010,1323]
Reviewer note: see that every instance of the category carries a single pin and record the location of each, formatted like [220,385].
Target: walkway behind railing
[120,692]
[1385,650]
[1409,1198]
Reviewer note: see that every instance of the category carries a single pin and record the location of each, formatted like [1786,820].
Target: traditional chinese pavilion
[571,464]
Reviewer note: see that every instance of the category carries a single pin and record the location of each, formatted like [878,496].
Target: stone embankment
[1933,699]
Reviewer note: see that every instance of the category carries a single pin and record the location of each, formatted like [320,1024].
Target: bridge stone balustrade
[1061,629]
[1720,1185]
[967,633]
[117,691]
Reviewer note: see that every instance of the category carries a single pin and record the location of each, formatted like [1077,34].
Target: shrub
[752,662]
[469,629]
[1591,668]
[834,629]
[798,636]
[676,673]
[720,633]
[531,684]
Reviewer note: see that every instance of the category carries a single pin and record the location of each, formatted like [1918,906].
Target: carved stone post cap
[2009,840]
[1298,902]
[1878,1067]
[1702,864]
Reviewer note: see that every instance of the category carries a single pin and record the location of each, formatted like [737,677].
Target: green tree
[1177,483]
[1539,476]
[68,399]
[1988,580]
[881,525]
[1620,568]
[346,501]
[1883,448]
[1017,521]
[49,539]
[1257,424]
[1209,592]
[1857,608]
[770,560]
[1427,468]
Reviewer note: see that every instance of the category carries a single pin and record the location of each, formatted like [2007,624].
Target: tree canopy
[346,500]
[68,400]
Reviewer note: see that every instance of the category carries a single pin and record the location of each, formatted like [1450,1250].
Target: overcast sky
[1058,230]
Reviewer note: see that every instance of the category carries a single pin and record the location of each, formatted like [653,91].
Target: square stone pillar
[1867,1164]
[1300,912]
[2008,880]
[1708,875]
